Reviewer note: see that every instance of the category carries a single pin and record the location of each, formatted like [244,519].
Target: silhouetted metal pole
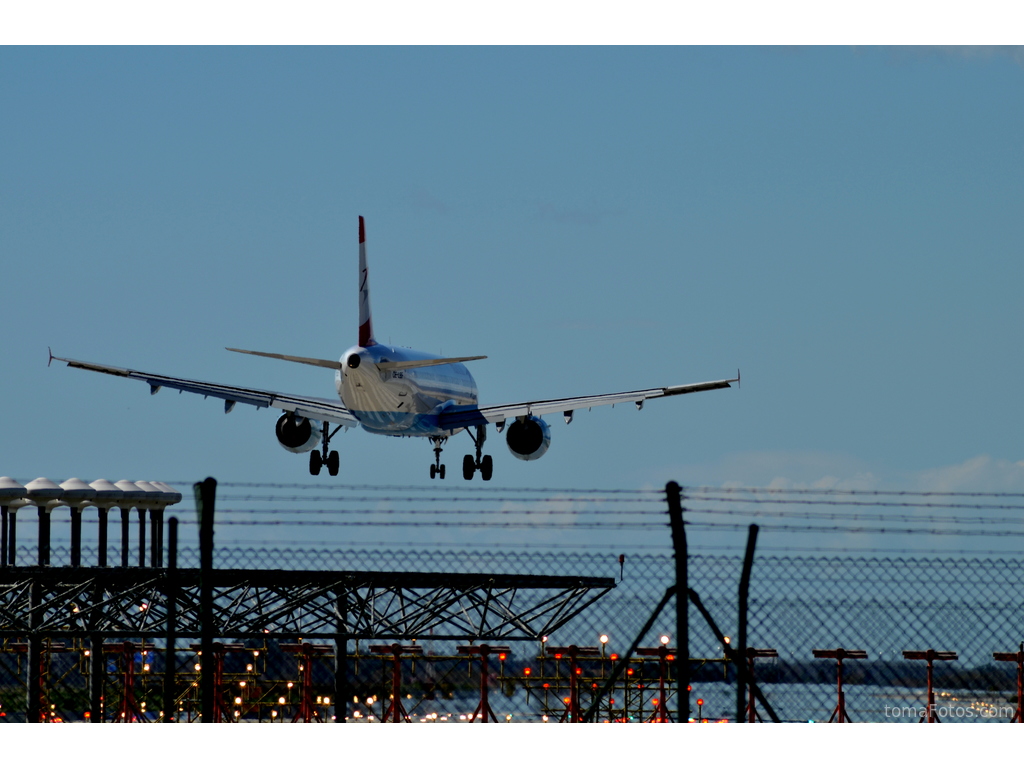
[741,634]
[341,689]
[675,517]
[34,702]
[205,493]
[170,665]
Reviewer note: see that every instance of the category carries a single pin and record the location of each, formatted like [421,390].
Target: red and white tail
[365,321]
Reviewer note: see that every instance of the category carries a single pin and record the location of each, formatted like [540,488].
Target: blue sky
[842,224]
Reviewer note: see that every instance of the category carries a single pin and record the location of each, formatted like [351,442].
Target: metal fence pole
[34,702]
[675,516]
[741,650]
[205,493]
[170,666]
[341,689]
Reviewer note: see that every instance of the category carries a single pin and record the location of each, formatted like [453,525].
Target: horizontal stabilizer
[291,358]
[401,365]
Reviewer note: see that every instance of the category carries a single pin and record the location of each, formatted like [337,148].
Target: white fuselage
[401,402]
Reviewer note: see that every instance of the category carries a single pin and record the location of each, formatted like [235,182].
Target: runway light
[604,639]
[238,699]
[280,700]
[664,639]
[527,671]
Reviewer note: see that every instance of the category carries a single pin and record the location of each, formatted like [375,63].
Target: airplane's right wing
[475,415]
[321,409]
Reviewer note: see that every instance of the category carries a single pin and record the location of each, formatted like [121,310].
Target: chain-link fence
[884,606]
[313,619]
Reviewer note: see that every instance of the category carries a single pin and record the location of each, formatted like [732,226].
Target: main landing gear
[470,465]
[331,460]
[437,468]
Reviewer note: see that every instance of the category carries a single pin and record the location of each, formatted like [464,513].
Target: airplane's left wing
[321,409]
[475,415]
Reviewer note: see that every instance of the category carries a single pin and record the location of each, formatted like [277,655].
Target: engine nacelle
[528,439]
[297,434]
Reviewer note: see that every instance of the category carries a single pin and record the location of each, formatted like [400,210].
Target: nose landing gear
[437,468]
[484,464]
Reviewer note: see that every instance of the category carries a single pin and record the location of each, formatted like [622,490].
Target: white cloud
[982,474]
[790,470]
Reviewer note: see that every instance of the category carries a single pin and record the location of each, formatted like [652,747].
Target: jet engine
[297,434]
[528,439]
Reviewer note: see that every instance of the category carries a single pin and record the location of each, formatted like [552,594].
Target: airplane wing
[475,415]
[322,409]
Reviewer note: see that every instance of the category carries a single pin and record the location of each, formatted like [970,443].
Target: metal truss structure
[137,602]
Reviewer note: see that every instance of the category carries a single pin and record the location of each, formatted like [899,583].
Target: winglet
[737,378]
[365,321]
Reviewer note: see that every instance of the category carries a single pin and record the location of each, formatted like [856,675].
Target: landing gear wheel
[333,463]
[486,468]
[440,472]
[433,471]
[468,467]
[315,462]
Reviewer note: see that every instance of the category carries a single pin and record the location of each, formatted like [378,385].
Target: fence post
[341,690]
[741,651]
[170,666]
[674,495]
[205,493]
[34,702]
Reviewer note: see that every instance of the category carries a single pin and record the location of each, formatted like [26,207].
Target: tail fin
[365,321]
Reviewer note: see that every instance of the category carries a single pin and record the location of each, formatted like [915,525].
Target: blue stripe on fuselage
[429,390]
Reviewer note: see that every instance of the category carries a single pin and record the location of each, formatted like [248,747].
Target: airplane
[395,391]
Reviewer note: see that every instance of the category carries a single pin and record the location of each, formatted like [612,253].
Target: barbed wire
[687,491]
[860,516]
[842,529]
[921,505]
